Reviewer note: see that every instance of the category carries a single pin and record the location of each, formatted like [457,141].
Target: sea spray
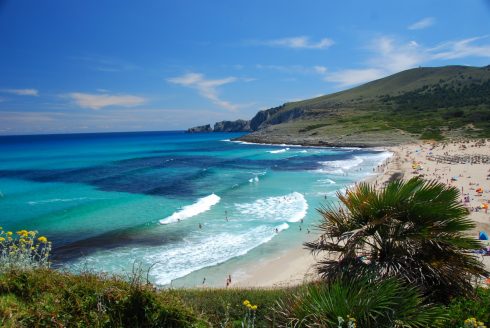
[202,205]
[278,151]
[291,208]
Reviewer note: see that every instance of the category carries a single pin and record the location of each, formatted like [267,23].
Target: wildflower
[32,233]
[43,239]
[246,303]
[253,307]
[23,233]
[9,233]
[2,239]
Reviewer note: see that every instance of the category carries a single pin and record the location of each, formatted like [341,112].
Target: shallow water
[180,202]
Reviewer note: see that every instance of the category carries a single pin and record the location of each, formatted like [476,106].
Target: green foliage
[432,134]
[477,306]
[313,127]
[412,229]
[47,298]
[386,303]
[222,304]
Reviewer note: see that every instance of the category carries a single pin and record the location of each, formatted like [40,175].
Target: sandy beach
[462,164]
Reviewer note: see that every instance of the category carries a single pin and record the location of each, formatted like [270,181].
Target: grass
[215,303]
[48,298]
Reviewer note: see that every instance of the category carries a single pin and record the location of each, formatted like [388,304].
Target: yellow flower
[32,233]
[9,233]
[23,233]
[253,307]
[2,239]
[246,302]
[43,239]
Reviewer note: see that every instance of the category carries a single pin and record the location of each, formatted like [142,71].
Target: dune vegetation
[394,257]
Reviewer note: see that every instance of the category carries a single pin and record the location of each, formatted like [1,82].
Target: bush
[361,302]
[47,298]
[478,306]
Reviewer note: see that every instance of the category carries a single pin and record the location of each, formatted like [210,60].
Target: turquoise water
[180,203]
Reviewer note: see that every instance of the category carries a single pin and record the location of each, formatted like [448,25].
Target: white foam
[327,181]
[183,259]
[177,260]
[282,227]
[254,179]
[278,151]
[346,164]
[202,205]
[56,200]
[290,208]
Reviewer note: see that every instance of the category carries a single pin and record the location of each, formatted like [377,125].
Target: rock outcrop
[201,128]
[232,126]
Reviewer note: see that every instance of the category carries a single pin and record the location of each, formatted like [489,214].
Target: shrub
[358,302]
[478,306]
[47,298]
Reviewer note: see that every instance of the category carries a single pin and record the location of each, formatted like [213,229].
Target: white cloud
[22,92]
[298,42]
[393,57]
[98,101]
[422,24]
[349,77]
[460,49]
[389,57]
[206,88]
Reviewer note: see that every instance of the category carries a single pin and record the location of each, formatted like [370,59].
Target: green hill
[420,103]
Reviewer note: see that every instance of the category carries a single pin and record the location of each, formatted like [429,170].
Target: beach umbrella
[483,235]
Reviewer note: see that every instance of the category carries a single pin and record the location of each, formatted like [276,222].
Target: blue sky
[112,65]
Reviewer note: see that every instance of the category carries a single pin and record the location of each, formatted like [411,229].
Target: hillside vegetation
[420,103]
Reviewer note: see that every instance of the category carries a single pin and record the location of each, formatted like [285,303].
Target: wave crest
[290,208]
[202,205]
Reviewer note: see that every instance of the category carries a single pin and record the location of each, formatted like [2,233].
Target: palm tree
[361,302]
[414,229]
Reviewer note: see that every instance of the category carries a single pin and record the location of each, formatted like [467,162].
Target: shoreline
[296,265]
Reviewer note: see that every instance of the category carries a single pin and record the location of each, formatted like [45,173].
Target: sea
[177,206]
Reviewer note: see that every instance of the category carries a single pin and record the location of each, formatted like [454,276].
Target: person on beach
[204,281]
[200,226]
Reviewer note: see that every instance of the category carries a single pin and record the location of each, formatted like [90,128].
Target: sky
[104,66]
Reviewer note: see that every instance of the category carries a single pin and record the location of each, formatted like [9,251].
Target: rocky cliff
[201,128]
[232,126]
